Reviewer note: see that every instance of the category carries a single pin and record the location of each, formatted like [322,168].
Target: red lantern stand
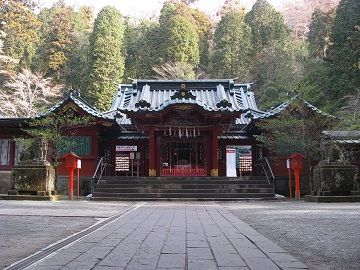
[71,161]
[296,164]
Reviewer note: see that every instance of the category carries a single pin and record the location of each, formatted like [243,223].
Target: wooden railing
[183,171]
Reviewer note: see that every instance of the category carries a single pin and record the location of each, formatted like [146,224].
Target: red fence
[183,172]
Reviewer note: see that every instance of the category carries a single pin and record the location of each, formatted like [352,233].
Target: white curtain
[4,151]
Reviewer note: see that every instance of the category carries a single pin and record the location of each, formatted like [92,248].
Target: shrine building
[161,128]
[154,128]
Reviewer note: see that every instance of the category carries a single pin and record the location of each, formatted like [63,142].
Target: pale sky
[148,8]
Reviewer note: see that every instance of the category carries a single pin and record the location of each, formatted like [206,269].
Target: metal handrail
[100,168]
[261,162]
[269,167]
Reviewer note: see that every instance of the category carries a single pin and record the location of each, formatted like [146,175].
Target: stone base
[31,197]
[331,199]
[333,179]
[33,178]
[5,181]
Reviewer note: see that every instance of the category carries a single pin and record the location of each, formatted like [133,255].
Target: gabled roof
[283,106]
[211,95]
[342,136]
[74,97]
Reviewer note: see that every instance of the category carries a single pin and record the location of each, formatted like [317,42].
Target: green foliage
[20,25]
[267,25]
[277,70]
[297,129]
[78,72]
[232,47]
[277,59]
[54,126]
[180,41]
[107,57]
[314,83]
[319,33]
[141,47]
[198,19]
[351,112]
[345,51]
[56,39]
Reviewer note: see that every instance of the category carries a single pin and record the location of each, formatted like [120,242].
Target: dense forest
[312,50]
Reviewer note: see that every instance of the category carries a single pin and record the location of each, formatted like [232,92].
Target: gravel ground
[323,236]
[27,226]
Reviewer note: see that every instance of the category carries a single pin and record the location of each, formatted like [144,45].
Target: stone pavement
[173,235]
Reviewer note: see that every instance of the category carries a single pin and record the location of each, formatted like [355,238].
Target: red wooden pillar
[214,156]
[71,183]
[152,152]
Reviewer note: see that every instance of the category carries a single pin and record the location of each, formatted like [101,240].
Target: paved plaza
[179,235]
[172,236]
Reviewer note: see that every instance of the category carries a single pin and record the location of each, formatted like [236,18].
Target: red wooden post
[152,151]
[297,184]
[78,183]
[296,161]
[71,161]
[71,183]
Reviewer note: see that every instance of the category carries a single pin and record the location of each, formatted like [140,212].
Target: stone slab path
[173,235]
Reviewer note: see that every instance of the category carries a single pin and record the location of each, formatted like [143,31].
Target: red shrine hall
[159,128]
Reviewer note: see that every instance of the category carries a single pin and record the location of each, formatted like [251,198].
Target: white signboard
[122,163]
[288,164]
[231,162]
[78,165]
[126,148]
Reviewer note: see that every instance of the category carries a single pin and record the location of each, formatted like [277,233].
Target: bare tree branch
[27,93]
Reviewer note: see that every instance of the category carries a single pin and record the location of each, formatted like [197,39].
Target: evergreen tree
[345,51]
[20,25]
[54,51]
[107,57]
[319,33]
[315,82]
[79,51]
[277,60]
[141,47]
[267,25]
[198,19]
[180,41]
[232,47]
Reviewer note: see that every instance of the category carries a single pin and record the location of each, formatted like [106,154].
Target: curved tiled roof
[81,103]
[211,95]
[274,111]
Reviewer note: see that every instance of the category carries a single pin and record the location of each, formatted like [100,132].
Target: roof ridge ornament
[221,97]
[144,99]
[183,93]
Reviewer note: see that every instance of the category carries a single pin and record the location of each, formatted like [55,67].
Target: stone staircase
[183,188]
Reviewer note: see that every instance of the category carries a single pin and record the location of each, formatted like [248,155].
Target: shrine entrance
[183,158]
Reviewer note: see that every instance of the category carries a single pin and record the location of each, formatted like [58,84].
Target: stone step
[169,190]
[172,188]
[183,186]
[182,195]
[192,182]
[180,199]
